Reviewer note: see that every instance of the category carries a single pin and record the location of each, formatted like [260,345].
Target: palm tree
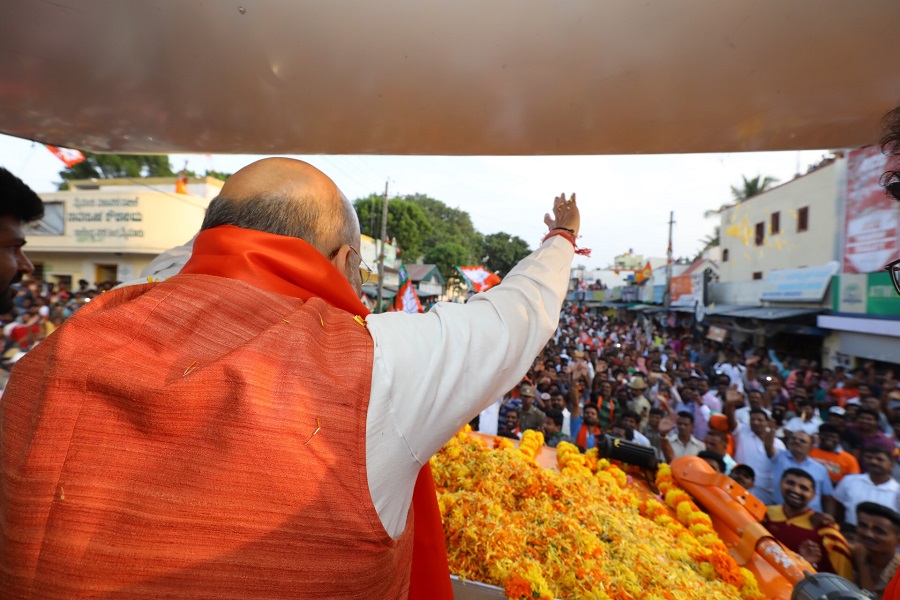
[752,187]
[710,241]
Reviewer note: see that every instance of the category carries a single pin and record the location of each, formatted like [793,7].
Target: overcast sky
[624,200]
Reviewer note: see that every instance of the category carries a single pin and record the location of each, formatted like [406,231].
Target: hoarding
[871,232]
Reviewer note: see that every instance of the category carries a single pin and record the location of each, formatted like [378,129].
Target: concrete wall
[820,191]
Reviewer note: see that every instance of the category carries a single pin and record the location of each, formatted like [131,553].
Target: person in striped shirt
[793,523]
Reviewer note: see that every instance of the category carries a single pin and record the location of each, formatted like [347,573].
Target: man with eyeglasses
[890,145]
[245,428]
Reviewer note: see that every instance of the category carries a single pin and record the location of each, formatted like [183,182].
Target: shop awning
[772,313]
[725,309]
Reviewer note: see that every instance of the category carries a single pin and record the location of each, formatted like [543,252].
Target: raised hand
[565,214]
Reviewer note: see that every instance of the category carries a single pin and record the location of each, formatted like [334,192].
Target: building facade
[110,229]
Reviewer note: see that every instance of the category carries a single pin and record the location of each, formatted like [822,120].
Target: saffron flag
[479,278]
[68,156]
[406,299]
[644,274]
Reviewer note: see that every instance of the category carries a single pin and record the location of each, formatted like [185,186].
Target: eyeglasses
[367,274]
[893,189]
[894,269]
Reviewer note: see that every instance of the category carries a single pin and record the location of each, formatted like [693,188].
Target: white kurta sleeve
[434,372]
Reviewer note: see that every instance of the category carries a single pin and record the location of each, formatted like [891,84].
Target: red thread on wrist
[571,238]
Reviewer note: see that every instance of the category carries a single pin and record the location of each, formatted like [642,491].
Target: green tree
[449,225]
[503,251]
[407,223]
[447,257]
[752,187]
[106,166]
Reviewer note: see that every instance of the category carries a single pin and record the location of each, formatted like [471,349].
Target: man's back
[144,451]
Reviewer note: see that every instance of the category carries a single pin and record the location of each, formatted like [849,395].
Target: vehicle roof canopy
[464,77]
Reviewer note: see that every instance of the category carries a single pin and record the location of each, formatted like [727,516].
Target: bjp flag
[406,299]
[68,156]
[479,278]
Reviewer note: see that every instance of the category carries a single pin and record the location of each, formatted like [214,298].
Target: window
[725,255]
[757,275]
[105,273]
[803,219]
[775,225]
[52,223]
[38,273]
[760,234]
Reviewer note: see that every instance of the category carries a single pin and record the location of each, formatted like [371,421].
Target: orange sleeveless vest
[198,438]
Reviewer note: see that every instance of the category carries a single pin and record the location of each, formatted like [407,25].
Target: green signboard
[865,294]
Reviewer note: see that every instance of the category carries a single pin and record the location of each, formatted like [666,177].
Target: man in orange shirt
[837,461]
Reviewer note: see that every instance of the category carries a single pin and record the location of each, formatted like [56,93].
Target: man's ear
[342,258]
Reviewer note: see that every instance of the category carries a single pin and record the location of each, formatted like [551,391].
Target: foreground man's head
[292,198]
[18,205]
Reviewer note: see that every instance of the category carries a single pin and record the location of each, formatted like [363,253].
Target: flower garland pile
[581,532]
[704,544]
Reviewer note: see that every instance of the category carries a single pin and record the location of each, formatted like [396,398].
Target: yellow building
[110,229]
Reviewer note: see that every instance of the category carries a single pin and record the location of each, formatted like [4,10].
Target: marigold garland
[580,532]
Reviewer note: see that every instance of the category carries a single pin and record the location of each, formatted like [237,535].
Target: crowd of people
[819,447]
[38,309]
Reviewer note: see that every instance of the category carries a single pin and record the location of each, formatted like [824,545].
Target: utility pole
[667,295]
[384,217]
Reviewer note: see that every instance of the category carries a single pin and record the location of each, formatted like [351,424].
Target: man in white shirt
[754,402]
[754,445]
[875,485]
[807,421]
[682,442]
[735,372]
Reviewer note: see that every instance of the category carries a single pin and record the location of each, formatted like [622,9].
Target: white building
[110,229]
[792,226]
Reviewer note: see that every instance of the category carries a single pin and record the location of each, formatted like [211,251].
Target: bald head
[286,197]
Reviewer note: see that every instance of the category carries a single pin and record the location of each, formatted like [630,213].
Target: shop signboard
[647,293]
[682,291]
[687,290]
[630,293]
[808,284]
[658,293]
[866,294]
[871,217]
[614,294]
[716,334]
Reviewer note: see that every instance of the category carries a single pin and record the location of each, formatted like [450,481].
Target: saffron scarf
[292,267]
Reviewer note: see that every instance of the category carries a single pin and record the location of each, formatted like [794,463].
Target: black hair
[799,473]
[759,411]
[709,454]
[686,415]
[865,410]
[890,140]
[555,415]
[630,414]
[879,510]
[18,200]
[745,470]
[829,428]
[876,449]
[661,412]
